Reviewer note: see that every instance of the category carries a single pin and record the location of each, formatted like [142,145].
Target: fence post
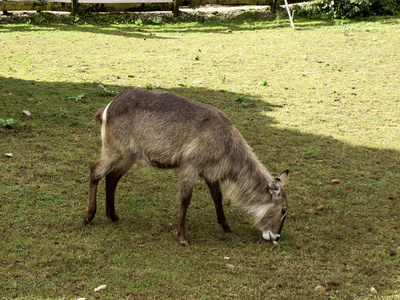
[290,14]
[74,7]
[4,11]
[176,8]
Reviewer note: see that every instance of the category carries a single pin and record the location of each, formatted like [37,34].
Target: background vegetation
[321,100]
[350,8]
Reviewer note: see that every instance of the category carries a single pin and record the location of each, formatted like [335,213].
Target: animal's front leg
[180,230]
[216,194]
[187,180]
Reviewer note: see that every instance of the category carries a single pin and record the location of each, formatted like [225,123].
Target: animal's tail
[99,114]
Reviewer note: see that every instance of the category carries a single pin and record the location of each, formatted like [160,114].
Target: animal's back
[169,130]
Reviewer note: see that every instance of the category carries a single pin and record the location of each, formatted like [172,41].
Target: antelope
[164,130]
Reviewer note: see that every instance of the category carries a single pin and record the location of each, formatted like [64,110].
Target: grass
[321,100]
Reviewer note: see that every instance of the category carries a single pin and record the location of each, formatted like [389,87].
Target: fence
[75,6]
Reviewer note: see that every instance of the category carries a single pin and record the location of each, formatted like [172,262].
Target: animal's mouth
[270,236]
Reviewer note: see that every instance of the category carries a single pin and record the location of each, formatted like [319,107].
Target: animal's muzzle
[270,236]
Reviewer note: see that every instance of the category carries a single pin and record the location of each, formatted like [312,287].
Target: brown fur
[166,131]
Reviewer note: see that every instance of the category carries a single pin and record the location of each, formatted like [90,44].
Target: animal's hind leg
[104,166]
[216,194]
[112,180]
[95,175]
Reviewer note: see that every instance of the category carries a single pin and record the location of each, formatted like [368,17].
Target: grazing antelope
[164,130]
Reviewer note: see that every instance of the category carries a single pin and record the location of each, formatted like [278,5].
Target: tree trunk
[275,6]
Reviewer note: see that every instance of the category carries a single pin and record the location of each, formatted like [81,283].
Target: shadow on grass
[358,215]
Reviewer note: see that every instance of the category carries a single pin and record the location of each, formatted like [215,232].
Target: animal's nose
[269,236]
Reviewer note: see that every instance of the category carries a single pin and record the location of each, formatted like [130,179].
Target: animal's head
[270,217]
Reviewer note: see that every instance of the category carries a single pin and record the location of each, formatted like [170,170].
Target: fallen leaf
[335,181]
[27,112]
[230,266]
[320,207]
[373,291]
[77,139]
[275,243]
[101,287]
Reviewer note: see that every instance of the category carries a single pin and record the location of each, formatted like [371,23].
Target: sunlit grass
[321,101]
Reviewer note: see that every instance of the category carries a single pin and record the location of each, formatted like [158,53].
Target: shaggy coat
[164,130]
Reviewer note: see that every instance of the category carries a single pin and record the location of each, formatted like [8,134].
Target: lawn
[322,101]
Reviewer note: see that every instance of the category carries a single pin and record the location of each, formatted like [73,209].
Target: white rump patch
[104,121]
[269,236]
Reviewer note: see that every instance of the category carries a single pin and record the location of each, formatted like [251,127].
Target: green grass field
[322,101]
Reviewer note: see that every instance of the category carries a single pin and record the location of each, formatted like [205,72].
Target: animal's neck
[248,186]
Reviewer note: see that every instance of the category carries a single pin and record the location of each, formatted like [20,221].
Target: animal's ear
[275,184]
[284,176]
[275,187]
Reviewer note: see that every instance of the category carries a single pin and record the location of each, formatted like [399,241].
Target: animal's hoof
[226,228]
[184,243]
[118,221]
[89,216]
[115,218]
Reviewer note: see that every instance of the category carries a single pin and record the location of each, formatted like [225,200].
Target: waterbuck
[164,130]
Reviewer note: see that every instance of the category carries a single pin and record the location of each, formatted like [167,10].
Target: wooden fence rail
[75,6]
[80,6]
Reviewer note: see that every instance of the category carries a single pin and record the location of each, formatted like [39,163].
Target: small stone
[335,181]
[230,266]
[320,207]
[373,291]
[320,289]
[9,155]
[27,112]
[226,257]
